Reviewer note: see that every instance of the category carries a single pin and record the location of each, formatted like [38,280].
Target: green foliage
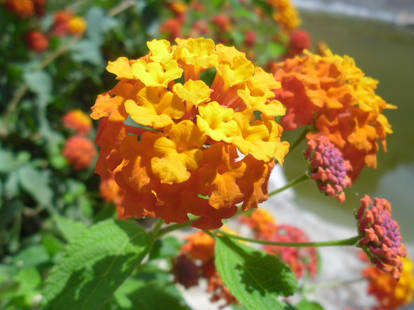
[149,291]
[255,278]
[94,265]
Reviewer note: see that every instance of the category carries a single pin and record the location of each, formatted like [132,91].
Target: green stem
[154,235]
[172,227]
[343,242]
[299,139]
[314,287]
[290,184]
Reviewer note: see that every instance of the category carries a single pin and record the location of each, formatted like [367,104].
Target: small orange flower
[77,25]
[37,41]
[199,246]
[285,14]
[390,293]
[79,152]
[262,222]
[78,121]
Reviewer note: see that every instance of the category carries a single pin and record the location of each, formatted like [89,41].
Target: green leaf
[87,51]
[254,277]
[36,183]
[139,292]
[306,304]
[95,265]
[40,83]
[31,257]
[70,229]
[99,22]
[167,247]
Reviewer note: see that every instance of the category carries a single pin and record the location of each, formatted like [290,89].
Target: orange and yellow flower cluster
[391,294]
[334,95]
[285,14]
[190,147]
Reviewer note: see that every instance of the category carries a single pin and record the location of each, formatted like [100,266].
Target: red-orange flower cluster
[79,151]
[380,235]
[37,41]
[334,95]
[180,155]
[78,121]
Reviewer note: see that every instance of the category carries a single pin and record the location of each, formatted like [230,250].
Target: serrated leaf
[36,183]
[70,229]
[95,265]
[306,304]
[254,277]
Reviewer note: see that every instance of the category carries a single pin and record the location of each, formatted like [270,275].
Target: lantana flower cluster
[333,94]
[189,147]
[391,294]
[380,235]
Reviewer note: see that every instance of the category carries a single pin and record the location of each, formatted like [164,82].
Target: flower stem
[172,227]
[290,184]
[343,242]
[330,284]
